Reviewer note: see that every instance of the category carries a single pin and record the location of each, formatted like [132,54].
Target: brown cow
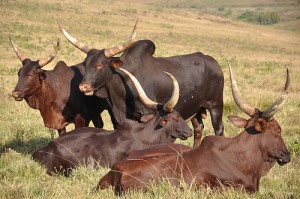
[96,147]
[239,162]
[159,149]
[56,94]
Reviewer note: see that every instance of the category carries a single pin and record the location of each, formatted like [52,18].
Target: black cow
[56,94]
[200,79]
[95,147]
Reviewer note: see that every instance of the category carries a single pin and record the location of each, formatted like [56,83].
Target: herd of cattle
[141,149]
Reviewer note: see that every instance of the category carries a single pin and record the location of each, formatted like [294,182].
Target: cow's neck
[42,99]
[34,101]
[120,96]
[248,156]
[144,135]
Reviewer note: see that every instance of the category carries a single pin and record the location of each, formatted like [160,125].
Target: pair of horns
[168,107]
[249,110]
[108,52]
[42,62]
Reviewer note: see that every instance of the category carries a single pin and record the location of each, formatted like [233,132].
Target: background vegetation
[258,54]
[263,18]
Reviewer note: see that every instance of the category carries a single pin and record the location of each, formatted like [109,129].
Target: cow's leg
[112,117]
[198,128]
[97,121]
[60,131]
[119,190]
[216,119]
[79,121]
[244,181]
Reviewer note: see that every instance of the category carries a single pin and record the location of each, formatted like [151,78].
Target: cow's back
[70,100]
[159,149]
[199,76]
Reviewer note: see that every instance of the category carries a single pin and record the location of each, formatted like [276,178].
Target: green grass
[258,54]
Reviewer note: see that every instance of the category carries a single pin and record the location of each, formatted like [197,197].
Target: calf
[56,94]
[97,147]
[218,161]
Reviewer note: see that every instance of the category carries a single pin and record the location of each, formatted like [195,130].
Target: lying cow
[56,94]
[97,147]
[239,162]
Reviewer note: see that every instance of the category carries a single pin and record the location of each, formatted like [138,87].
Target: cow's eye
[98,66]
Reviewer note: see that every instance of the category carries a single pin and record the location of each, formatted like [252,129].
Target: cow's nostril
[83,87]
[15,93]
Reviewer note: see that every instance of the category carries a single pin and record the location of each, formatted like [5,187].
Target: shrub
[263,18]
[221,8]
[267,18]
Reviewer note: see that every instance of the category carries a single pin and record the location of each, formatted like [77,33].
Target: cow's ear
[42,74]
[163,122]
[260,125]
[147,118]
[116,63]
[238,121]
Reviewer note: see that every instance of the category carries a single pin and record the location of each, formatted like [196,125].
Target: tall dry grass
[259,56]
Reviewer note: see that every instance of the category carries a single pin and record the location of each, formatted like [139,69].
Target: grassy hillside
[258,54]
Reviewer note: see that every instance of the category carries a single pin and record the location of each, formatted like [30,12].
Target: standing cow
[218,161]
[199,76]
[56,94]
[95,147]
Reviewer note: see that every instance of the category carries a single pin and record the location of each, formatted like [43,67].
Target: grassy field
[258,54]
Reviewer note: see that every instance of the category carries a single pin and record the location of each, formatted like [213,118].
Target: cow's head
[30,74]
[166,118]
[263,123]
[98,62]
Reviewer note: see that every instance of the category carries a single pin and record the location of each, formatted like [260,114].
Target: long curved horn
[118,49]
[48,59]
[168,107]
[271,110]
[249,110]
[85,48]
[144,98]
[17,51]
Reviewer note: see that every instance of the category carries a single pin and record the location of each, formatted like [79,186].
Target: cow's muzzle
[285,158]
[15,94]
[86,88]
[183,134]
